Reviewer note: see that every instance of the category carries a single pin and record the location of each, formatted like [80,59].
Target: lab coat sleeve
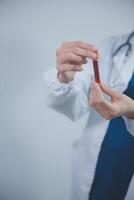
[129,124]
[69,99]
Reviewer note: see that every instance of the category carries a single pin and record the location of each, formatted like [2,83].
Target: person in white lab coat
[103,163]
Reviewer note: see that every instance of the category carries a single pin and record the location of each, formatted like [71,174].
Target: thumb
[112,93]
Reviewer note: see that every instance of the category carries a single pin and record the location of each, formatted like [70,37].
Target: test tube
[96,71]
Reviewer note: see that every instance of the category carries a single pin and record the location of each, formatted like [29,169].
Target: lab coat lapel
[116,80]
[121,73]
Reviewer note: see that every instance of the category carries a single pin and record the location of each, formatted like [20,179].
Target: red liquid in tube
[96,71]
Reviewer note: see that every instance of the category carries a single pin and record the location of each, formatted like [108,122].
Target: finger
[73,60]
[97,92]
[98,102]
[84,45]
[78,63]
[69,67]
[102,106]
[79,44]
[97,96]
[110,92]
[100,97]
[67,58]
[85,61]
[85,53]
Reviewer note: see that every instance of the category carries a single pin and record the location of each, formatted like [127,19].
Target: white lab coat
[72,100]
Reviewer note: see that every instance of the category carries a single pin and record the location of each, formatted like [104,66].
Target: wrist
[130,110]
[63,78]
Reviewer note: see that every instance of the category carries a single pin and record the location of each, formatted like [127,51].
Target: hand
[71,56]
[119,105]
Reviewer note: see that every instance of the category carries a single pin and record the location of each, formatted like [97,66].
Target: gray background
[35,142]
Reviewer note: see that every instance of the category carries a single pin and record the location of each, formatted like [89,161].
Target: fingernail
[95,56]
[94,48]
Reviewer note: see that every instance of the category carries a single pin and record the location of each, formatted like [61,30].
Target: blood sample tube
[96,71]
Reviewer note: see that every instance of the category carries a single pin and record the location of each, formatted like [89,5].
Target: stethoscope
[129,49]
[126,44]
